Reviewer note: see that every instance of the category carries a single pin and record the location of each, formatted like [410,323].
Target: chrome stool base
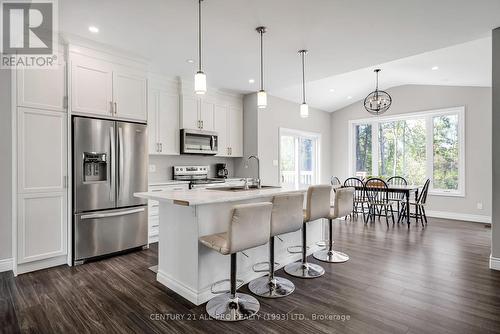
[304,270]
[276,288]
[225,308]
[331,256]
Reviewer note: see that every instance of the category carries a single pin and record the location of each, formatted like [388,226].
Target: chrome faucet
[258,170]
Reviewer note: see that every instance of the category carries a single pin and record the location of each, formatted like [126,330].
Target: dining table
[406,190]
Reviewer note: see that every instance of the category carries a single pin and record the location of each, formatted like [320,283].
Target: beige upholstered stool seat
[249,227]
[342,207]
[217,242]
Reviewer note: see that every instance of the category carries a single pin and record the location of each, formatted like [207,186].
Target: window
[299,158]
[415,146]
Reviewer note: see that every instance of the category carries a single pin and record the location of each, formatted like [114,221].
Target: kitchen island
[189,268]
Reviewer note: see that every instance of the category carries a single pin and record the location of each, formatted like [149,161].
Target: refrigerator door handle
[112,164]
[111,214]
[120,161]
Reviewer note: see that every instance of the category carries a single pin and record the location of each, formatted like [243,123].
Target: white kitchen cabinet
[91,86]
[163,122]
[129,95]
[190,116]
[221,127]
[229,126]
[103,88]
[207,110]
[41,150]
[197,113]
[153,208]
[43,88]
[41,226]
[235,126]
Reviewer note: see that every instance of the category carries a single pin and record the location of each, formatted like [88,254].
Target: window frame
[428,116]
[305,134]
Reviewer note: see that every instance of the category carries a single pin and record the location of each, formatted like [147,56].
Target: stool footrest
[263,270]
[239,284]
[323,243]
[291,251]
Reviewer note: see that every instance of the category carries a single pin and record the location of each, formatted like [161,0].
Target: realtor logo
[28,33]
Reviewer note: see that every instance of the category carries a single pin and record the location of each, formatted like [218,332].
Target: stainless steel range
[110,162]
[197,175]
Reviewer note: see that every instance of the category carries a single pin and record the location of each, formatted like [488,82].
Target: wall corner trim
[494,263]
[5,265]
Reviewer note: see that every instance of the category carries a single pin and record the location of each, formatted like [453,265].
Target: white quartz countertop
[167,183]
[195,197]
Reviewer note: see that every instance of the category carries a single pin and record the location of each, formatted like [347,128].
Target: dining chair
[394,196]
[377,193]
[335,182]
[359,195]
[419,205]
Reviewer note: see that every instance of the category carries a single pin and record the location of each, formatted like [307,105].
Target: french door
[299,158]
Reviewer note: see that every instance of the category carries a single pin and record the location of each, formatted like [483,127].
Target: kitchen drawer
[154,221]
[153,231]
[154,208]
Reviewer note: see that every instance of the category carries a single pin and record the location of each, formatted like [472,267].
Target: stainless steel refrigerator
[110,161]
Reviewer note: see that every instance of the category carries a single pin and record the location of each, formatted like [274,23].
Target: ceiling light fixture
[435,68]
[304,108]
[349,97]
[251,81]
[332,90]
[190,61]
[93,29]
[261,94]
[378,101]
[200,79]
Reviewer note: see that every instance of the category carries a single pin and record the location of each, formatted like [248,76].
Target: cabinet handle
[202,124]
[161,147]
[116,108]
[111,105]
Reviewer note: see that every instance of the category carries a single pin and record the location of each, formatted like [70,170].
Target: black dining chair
[377,193]
[359,201]
[419,205]
[393,196]
[335,182]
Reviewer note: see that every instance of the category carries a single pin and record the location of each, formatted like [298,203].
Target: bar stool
[249,227]
[317,206]
[286,217]
[342,207]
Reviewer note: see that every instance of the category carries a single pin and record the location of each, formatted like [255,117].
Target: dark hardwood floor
[399,280]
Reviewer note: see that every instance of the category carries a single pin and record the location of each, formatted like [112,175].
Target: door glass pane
[287,156]
[363,140]
[306,161]
[445,152]
[402,150]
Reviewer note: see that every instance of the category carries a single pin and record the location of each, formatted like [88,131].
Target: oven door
[199,142]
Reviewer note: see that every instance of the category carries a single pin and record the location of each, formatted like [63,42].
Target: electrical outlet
[152,168]
[479,206]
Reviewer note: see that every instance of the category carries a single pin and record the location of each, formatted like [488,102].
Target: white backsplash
[163,165]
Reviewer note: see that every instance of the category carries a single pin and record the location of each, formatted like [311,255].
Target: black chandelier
[378,101]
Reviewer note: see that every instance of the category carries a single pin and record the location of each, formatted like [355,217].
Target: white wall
[280,114]
[413,98]
[5,165]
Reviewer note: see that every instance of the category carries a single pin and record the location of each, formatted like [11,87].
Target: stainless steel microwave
[199,142]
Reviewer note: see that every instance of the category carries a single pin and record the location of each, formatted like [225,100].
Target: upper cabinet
[163,119]
[34,90]
[229,126]
[197,113]
[101,87]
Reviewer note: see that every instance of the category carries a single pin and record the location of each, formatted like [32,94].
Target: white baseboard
[494,263]
[459,216]
[5,265]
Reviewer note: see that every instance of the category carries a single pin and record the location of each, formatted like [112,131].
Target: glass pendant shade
[304,110]
[200,83]
[261,99]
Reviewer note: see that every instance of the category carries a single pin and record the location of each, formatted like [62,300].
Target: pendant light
[200,79]
[261,94]
[304,108]
[378,101]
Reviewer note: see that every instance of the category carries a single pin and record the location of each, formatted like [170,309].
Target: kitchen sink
[241,188]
